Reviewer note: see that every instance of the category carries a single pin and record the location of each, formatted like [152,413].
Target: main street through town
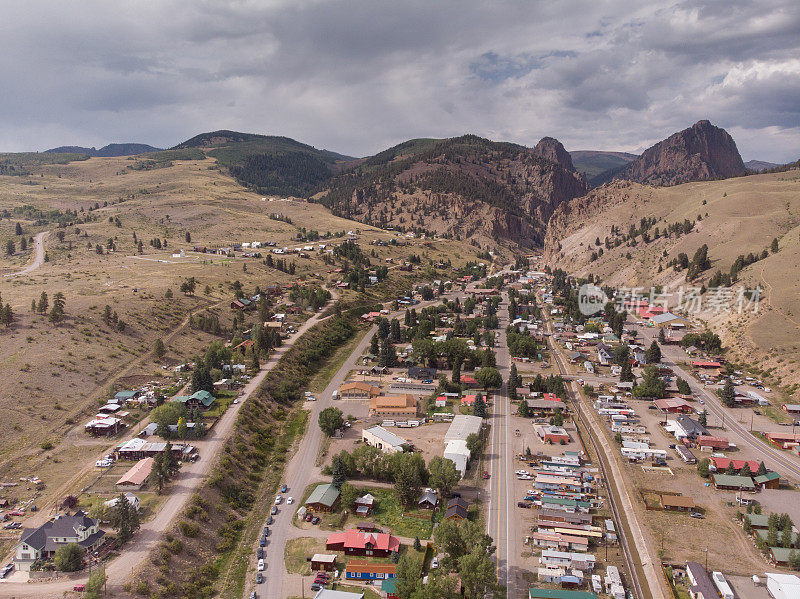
[302,470]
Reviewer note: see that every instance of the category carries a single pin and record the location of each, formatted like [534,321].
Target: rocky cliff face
[551,150]
[465,187]
[699,153]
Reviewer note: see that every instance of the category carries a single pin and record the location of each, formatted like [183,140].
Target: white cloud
[357,76]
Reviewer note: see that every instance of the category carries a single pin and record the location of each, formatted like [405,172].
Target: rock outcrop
[699,153]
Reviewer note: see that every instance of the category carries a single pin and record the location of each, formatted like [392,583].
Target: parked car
[260,553]
[278,499]
[315,520]
[284,488]
[316,586]
[274,510]
[485,474]
[270,520]
[309,517]
[7,569]
[263,542]
[79,587]
[524,504]
[259,578]
[697,515]
[261,565]
[266,531]
[434,563]
[290,500]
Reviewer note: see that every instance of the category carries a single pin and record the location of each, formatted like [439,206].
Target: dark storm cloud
[359,76]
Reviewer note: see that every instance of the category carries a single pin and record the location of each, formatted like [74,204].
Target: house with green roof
[770,480]
[759,521]
[199,399]
[780,555]
[730,482]
[534,593]
[324,498]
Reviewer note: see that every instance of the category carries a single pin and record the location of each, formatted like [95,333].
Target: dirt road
[180,490]
[38,255]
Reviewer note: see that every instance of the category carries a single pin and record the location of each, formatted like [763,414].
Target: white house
[563,559]
[133,500]
[457,451]
[386,441]
[41,543]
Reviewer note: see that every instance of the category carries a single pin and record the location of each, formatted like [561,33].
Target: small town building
[198,400]
[365,505]
[324,498]
[386,441]
[355,542]
[135,478]
[132,499]
[534,593]
[783,586]
[462,427]
[674,405]
[457,452]
[714,443]
[331,594]
[729,482]
[42,543]
[358,390]
[770,480]
[323,561]
[393,406]
[457,509]
[679,503]
[364,570]
[552,435]
[702,587]
[429,500]
[104,425]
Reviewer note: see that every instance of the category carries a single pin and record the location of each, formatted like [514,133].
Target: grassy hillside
[734,217]
[62,372]
[269,164]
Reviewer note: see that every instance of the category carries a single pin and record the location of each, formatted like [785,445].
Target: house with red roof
[468,400]
[718,443]
[356,542]
[551,397]
[468,380]
[673,405]
[721,464]
[706,364]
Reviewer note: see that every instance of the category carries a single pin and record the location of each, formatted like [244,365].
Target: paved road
[773,458]
[38,255]
[500,523]
[190,477]
[302,471]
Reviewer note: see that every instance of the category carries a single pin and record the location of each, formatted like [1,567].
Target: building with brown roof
[393,406]
[677,503]
[358,390]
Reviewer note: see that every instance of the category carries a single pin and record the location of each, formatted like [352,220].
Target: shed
[324,561]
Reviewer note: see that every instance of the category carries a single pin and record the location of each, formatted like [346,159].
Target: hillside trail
[38,255]
[768,297]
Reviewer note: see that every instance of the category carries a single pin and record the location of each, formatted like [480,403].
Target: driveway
[38,255]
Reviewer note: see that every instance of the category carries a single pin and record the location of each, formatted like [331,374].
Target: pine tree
[480,406]
[43,303]
[728,393]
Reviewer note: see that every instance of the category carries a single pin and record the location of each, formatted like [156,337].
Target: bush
[47,445]
[188,529]
[69,557]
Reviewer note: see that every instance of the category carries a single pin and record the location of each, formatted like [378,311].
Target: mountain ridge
[107,151]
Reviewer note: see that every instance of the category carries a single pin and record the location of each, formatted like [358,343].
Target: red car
[79,587]
[485,474]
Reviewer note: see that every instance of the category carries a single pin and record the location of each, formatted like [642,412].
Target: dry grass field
[56,375]
[739,216]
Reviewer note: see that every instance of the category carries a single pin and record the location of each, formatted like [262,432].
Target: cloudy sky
[359,76]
